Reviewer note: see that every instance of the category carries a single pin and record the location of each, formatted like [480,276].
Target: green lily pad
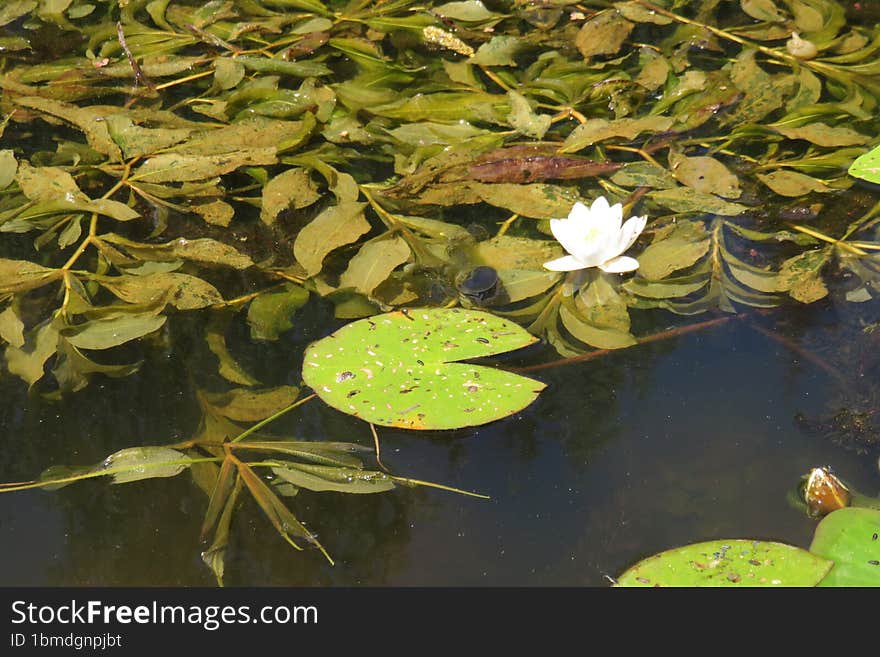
[397,369]
[850,537]
[738,562]
[867,166]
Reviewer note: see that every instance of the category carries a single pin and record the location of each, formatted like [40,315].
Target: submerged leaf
[524,119]
[685,199]
[113,330]
[271,313]
[90,120]
[8,167]
[593,335]
[137,463]
[792,183]
[374,263]
[249,405]
[322,453]
[56,191]
[11,327]
[675,247]
[336,226]
[224,481]
[801,277]
[290,528]
[342,480]
[823,134]
[498,51]
[177,167]
[203,250]
[538,200]
[704,174]
[763,10]
[603,34]
[28,361]
[135,140]
[644,174]
[215,336]
[596,130]
[183,291]
[598,315]
[22,275]
[291,189]
[506,252]
[14,9]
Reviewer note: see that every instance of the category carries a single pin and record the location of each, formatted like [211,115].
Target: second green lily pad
[851,538]
[397,369]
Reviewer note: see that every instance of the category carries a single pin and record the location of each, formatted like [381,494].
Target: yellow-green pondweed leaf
[397,369]
[136,463]
[125,466]
[327,478]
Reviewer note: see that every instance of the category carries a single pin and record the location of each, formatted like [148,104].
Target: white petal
[565,231]
[615,216]
[589,235]
[565,263]
[619,265]
[608,218]
[585,242]
[600,206]
[579,211]
[629,233]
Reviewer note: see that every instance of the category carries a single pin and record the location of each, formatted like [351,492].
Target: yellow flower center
[591,235]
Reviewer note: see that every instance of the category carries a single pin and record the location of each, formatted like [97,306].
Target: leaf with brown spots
[398,369]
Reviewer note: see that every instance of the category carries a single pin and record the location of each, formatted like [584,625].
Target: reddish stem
[671,333]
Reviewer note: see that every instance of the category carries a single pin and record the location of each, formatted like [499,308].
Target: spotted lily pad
[739,562]
[867,166]
[397,369]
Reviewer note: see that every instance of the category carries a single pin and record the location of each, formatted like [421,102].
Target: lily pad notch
[399,369]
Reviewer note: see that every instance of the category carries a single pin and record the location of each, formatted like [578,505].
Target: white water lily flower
[594,237]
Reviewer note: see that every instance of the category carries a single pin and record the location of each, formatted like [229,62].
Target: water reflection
[621,457]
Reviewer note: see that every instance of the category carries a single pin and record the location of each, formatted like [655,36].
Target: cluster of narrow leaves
[169,156]
[225,459]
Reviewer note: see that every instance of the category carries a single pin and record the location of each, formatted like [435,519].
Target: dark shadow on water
[619,458]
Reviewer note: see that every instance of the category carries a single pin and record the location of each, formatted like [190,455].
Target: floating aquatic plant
[399,369]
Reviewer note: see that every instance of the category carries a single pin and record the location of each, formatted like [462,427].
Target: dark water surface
[684,440]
